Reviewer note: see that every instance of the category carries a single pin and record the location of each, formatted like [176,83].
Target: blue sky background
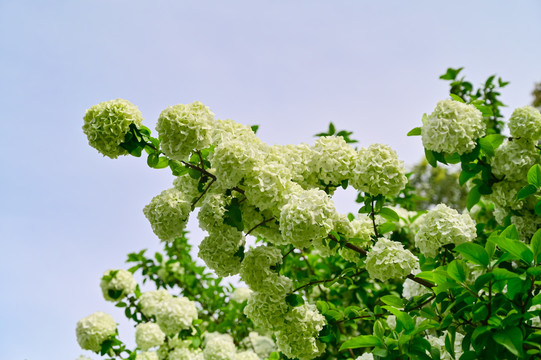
[67,214]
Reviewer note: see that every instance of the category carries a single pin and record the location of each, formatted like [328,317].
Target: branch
[258,225]
[203,193]
[373,216]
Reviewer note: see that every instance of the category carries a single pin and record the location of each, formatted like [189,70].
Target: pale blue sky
[67,214]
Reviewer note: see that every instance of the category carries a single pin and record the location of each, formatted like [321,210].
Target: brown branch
[203,193]
[289,252]
[258,225]
[424,303]
[373,216]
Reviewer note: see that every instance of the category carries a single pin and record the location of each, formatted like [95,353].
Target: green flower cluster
[94,329]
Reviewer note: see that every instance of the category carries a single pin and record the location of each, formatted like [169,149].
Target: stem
[258,225]
[373,216]
[289,252]
[324,281]
[424,303]
[203,193]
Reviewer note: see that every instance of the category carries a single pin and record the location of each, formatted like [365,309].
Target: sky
[67,214]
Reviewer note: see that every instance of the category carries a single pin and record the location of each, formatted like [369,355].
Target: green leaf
[393,301]
[503,274]
[456,98]
[457,270]
[465,176]
[473,197]
[535,245]
[485,110]
[152,159]
[534,176]
[451,74]
[415,132]
[233,215]
[254,128]
[361,341]
[386,227]
[431,158]
[511,339]
[473,253]
[537,208]
[294,300]
[514,247]
[536,300]
[389,214]
[322,306]
[402,318]
[526,191]
[163,162]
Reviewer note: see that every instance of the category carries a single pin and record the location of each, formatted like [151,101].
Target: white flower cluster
[117,286]
[220,250]
[183,128]
[168,214]
[412,288]
[388,259]
[220,347]
[94,329]
[441,226]
[107,123]
[453,127]
[379,171]
[256,271]
[308,215]
[263,346]
[525,122]
[173,314]
[514,158]
[148,335]
[267,311]
[439,343]
[365,356]
[147,355]
[241,294]
[297,338]
[331,159]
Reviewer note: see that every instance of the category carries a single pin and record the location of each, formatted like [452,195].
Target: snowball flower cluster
[183,128]
[365,356]
[148,335]
[116,284]
[267,310]
[439,343]
[247,355]
[150,301]
[176,314]
[168,214]
[256,271]
[453,127]
[378,171]
[147,355]
[514,158]
[94,329]
[308,215]
[525,122]
[441,226]
[332,159]
[298,338]
[388,259]
[241,294]
[263,346]
[107,123]
[220,251]
[220,347]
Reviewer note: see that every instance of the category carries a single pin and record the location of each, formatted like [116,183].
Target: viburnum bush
[389,282]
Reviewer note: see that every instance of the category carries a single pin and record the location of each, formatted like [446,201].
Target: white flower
[147,355]
[94,329]
[176,314]
[220,347]
[389,260]
[148,335]
[379,171]
[308,215]
[151,301]
[107,123]
[168,214]
[256,271]
[365,356]
[247,355]
[453,127]
[262,345]
[525,122]
[441,226]
[266,310]
[332,159]
[183,128]
[115,287]
[514,158]
[220,251]
[241,294]
[298,337]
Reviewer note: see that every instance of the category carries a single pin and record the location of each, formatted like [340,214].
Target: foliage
[391,282]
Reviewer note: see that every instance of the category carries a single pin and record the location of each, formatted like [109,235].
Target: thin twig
[373,216]
[258,225]
[203,193]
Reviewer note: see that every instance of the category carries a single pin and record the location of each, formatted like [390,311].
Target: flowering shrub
[388,283]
